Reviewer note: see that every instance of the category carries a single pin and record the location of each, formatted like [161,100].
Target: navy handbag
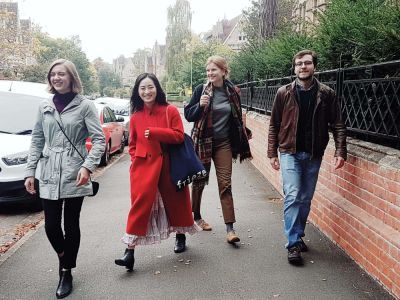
[185,166]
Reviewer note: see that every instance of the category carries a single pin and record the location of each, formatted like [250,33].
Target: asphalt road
[210,268]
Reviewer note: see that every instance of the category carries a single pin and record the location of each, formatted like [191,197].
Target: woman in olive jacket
[64,177]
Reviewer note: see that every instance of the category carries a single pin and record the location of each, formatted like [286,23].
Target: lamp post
[191,73]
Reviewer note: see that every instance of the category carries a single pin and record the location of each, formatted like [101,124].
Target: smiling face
[304,67]
[215,75]
[60,79]
[147,91]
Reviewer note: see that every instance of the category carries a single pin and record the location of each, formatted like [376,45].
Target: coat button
[149,155]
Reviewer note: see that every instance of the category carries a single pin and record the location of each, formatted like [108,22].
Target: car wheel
[36,205]
[106,155]
[126,138]
[121,148]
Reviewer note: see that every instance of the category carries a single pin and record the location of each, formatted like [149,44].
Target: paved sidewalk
[18,222]
[210,269]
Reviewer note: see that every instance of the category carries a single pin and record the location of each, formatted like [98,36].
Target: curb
[20,242]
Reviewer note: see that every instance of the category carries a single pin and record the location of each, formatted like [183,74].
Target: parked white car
[121,108]
[19,102]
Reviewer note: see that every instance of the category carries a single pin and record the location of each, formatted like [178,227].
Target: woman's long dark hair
[137,102]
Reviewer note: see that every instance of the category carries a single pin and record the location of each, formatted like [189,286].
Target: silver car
[121,108]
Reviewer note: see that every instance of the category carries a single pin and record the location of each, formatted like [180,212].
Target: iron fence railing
[370,98]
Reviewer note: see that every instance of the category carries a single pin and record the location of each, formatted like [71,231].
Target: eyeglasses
[306,63]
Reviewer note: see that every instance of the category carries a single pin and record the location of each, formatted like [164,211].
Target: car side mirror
[120,119]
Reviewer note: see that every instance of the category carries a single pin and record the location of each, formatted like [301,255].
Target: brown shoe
[232,237]
[204,225]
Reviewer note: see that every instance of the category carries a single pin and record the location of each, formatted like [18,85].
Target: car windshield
[18,112]
[121,111]
[119,106]
[25,88]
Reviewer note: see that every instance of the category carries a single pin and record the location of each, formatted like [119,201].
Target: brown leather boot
[232,237]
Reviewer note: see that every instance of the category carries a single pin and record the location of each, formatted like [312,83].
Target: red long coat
[150,169]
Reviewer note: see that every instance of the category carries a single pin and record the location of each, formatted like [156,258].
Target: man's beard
[306,78]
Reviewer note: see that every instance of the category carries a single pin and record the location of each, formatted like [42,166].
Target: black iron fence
[370,99]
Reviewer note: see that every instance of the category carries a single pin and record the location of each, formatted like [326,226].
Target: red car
[113,129]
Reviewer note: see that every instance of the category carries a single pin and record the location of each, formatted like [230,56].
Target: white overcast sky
[110,28]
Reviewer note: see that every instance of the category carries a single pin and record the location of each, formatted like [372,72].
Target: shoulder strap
[59,125]
[204,88]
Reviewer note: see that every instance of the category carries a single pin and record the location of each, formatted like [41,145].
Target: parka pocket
[45,169]
[72,166]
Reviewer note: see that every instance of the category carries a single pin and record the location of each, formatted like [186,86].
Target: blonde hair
[220,62]
[76,84]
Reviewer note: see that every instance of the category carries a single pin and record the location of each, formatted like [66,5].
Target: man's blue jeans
[299,177]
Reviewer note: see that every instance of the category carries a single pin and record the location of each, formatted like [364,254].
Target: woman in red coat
[157,209]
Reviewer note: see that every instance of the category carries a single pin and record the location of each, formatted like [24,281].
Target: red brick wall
[357,207]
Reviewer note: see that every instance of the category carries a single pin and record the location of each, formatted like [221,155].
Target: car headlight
[16,159]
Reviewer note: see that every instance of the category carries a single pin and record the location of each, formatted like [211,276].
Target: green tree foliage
[193,66]
[108,81]
[50,49]
[349,33]
[34,73]
[139,60]
[123,93]
[252,26]
[269,59]
[178,35]
[358,32]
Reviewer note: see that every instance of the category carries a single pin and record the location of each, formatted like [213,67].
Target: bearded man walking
[302,114]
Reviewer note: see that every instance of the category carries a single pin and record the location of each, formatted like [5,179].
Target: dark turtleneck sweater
[62,100]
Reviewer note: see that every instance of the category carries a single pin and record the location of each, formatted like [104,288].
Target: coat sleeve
[338,127]
[132,137]
[96,135]
[193,111]
[174,133]
[275,123]
[37,145]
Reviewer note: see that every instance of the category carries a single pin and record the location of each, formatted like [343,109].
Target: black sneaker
[294,255]
[303,246]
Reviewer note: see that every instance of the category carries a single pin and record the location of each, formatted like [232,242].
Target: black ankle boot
[180,243]
[127,260]
[65,285]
